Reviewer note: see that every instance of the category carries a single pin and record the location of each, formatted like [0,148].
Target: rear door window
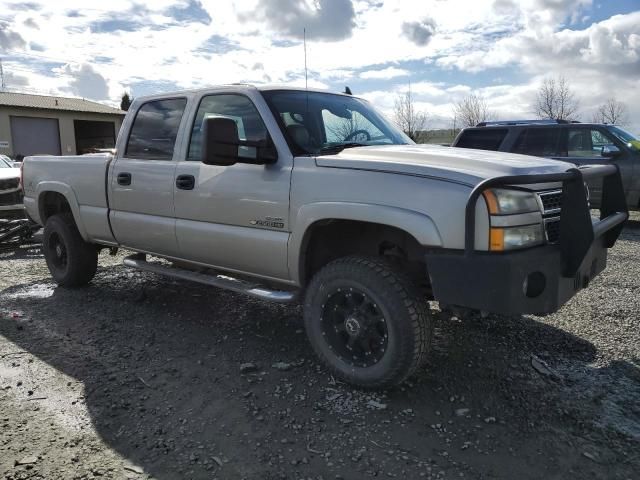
[541,142]
[483,139]
[155,129]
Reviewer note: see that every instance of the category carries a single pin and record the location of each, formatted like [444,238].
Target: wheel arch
[57,197]
[417,229]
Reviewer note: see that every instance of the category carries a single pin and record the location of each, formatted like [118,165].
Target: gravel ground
[138,376]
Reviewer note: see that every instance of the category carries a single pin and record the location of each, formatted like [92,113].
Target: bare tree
[411,121]
[346,128]
[556,101]
[470,111]
[612,112]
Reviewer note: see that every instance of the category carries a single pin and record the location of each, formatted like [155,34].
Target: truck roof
[237,87]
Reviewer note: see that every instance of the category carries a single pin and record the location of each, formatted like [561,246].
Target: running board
[214,280]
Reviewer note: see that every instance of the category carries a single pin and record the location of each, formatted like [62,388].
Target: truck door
[584,147]
[233,217]
[142,179]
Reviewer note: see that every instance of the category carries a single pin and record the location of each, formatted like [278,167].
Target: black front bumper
[541,279]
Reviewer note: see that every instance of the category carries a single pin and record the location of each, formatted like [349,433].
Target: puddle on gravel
[42,290]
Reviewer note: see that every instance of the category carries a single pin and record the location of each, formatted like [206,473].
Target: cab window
[587,142]
[235,107]
[482,138]
[155,129]
[540,142]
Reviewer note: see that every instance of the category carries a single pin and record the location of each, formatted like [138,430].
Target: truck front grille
[551,201]
[9,184]
[13,198]
[551,204]
[552,229]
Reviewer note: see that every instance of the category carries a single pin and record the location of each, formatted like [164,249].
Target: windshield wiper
[340,147]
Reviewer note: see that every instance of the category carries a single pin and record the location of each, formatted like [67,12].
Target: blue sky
[443,50]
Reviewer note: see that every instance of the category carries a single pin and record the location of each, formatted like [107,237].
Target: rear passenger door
[541,142]
[142,179]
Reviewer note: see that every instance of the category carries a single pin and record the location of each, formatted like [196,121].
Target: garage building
[40,124]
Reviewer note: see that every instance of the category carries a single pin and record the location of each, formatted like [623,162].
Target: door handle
[185,182]
[124,178]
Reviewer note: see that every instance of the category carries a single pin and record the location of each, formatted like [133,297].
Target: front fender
[67,192]
[419,225]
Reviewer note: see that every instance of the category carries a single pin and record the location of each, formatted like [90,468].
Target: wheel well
[328,240]
[52,203]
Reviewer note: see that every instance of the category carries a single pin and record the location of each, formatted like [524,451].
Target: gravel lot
[138,376]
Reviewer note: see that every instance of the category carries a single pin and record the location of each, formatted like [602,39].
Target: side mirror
[610,151]
[222,146]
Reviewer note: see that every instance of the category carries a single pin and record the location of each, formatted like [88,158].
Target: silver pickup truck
[288,194]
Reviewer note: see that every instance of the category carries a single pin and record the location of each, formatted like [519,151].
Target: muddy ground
[138,376]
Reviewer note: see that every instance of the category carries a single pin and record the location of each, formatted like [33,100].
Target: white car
[10,192]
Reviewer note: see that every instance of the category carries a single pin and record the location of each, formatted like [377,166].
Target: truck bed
[75,177]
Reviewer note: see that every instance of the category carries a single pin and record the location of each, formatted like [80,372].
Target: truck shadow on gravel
[160,364]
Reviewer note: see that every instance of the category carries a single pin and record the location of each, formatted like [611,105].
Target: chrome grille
[552,229]
[551,201]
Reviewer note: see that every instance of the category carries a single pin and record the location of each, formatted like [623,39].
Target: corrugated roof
[27,100]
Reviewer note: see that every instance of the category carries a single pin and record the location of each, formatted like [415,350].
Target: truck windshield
[625,137]
[317,123]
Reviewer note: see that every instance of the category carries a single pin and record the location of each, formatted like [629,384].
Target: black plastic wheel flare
[354,327]
[56,245]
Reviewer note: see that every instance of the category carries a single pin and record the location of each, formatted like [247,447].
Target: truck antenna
[304,36]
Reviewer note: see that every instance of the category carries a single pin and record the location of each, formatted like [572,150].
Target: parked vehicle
[285,193]
[578,143]
[10,193]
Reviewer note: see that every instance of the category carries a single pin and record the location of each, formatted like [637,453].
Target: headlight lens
[507,202]
[511,238]
[505,235]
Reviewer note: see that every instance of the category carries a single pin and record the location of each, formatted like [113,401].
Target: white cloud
[82,51]
[386,73]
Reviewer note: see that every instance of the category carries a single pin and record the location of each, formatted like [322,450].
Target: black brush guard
[538,279]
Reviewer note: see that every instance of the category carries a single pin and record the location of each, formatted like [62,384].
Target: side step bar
[215,280]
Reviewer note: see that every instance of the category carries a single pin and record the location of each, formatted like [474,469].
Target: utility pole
[3,85]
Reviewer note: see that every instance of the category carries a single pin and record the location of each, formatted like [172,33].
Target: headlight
[512,208]
[507,202]
[510,238]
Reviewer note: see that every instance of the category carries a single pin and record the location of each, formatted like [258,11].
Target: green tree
[125,102]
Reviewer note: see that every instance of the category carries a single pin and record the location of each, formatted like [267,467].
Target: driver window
[236,107]
[585,142]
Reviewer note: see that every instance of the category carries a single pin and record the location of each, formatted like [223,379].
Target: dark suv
[579,143]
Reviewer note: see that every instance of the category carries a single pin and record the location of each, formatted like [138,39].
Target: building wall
[65,124]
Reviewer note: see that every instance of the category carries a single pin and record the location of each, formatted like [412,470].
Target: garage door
[33,136]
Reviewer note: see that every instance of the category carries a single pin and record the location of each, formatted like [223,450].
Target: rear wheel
[71,261]
[368,321]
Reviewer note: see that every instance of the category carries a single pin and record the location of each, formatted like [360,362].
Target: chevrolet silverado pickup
[298,195]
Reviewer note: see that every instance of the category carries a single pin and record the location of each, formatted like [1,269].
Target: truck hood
[9,173]
[463,165]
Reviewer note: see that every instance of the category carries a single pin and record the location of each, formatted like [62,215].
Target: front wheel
[368,321]
[71,261]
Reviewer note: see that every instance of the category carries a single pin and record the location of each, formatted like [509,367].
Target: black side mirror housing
[610,151]
[222,146]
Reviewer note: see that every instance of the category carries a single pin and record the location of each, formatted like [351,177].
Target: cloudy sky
[445,49]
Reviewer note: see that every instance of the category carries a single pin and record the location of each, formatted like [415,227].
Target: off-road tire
[80,261]
[404,308]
